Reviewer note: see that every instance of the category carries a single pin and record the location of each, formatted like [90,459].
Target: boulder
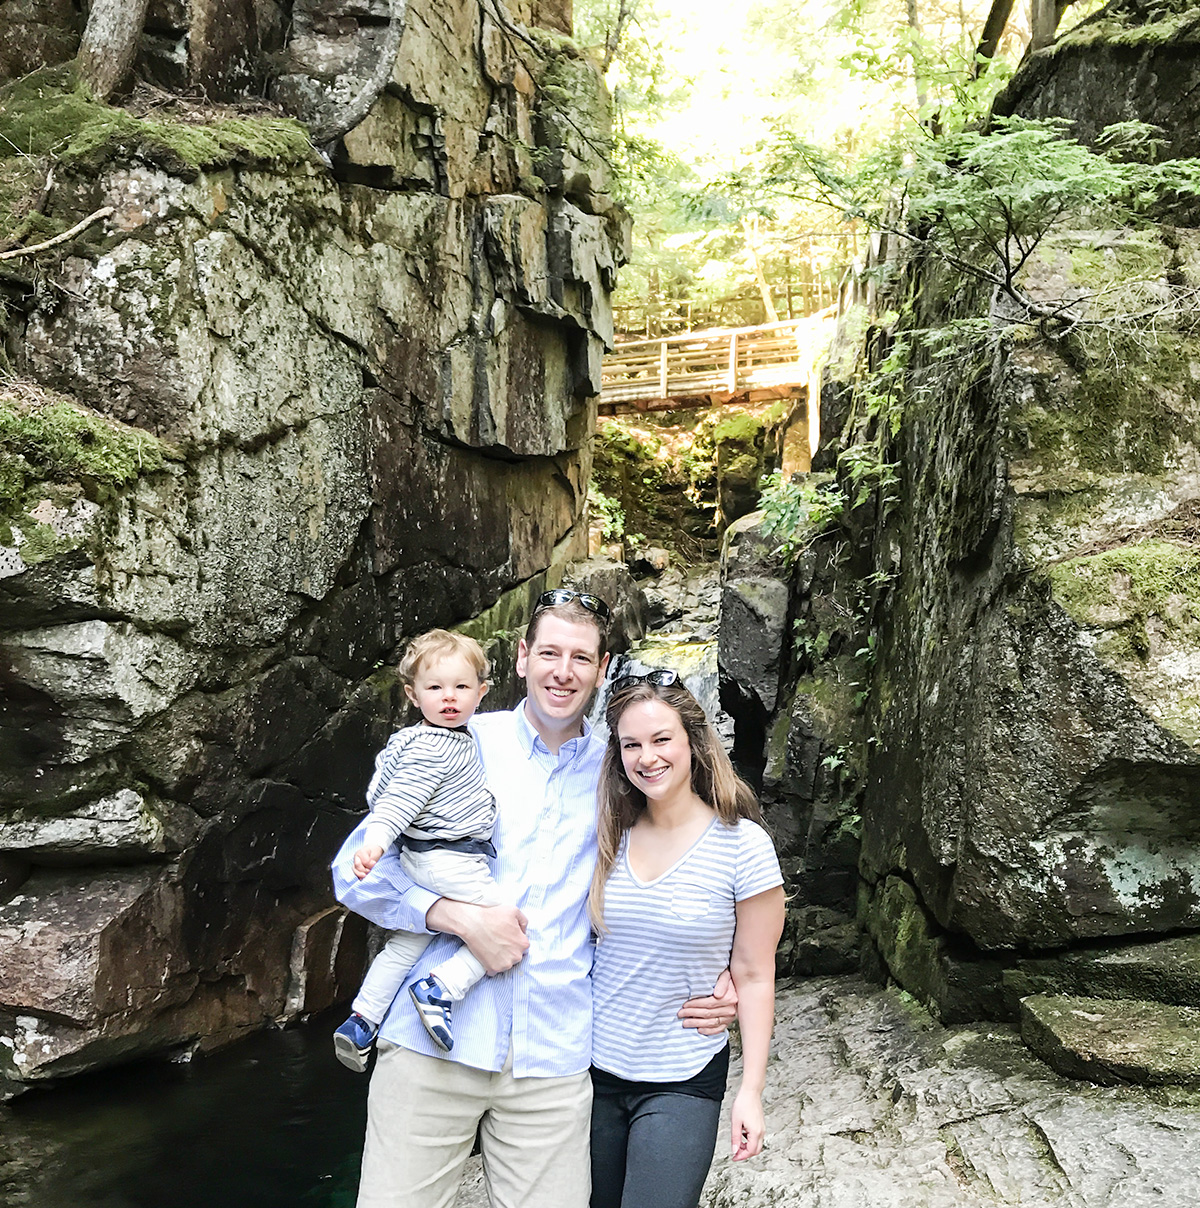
[957,987]
[1164,971]
[1112,1041]
[614,584]
[1133,59]
[754,615]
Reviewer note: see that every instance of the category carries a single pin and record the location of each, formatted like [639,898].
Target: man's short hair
[436,644]
[571,611]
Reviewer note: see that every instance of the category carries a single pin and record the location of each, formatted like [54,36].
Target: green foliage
[797,512]
[608,511]
[936,62]
[983,199]
[684,105]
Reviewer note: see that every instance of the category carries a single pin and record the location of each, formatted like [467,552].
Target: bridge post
[733,359]
[662,370]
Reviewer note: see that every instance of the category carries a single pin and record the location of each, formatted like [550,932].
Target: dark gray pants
[651,1150]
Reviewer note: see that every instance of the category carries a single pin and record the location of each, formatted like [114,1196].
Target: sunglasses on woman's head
[564,595]
[660,679]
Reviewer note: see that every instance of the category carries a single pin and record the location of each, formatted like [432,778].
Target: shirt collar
[530,738]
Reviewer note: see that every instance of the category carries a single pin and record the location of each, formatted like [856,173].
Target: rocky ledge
[872,1103]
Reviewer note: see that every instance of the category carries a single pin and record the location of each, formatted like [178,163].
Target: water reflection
[273,1122]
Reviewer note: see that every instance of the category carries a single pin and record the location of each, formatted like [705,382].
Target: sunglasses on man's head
[564,595]
[660,679]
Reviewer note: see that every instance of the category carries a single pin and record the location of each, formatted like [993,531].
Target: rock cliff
[261,423]
[995,649]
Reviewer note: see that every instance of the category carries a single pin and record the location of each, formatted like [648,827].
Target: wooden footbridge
[720,365]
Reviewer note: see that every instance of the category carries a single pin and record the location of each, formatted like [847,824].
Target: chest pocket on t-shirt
[690,902]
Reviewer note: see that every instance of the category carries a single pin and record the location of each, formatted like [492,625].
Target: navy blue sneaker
[434,1008]
[352,1042]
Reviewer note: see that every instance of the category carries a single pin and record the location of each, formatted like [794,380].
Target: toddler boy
[428,792]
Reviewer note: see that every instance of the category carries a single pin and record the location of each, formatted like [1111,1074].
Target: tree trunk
[914,29]
[752,248]
[1043,22]
[993,31]
[109,44]
[340,124]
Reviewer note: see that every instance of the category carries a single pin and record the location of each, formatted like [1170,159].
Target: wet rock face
[1038,760]
[791,734]
[370,397]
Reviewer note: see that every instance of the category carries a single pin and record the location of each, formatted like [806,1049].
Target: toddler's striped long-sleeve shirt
[429,784]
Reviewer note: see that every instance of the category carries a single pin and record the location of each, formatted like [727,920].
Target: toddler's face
[447,690]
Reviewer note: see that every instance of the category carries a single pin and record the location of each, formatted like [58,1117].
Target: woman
[687,884]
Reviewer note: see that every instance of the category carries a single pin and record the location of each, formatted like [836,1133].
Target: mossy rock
[1128,412]
[923,960]
[1131,582]
[1114,1041]
[1128,25]
[48,115]
[50,447]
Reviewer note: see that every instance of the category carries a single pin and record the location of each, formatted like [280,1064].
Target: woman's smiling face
[655,750]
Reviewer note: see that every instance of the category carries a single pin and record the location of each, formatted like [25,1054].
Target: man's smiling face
[562,668]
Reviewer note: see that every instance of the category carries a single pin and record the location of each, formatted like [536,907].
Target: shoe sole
[437,1032]
[349,1054]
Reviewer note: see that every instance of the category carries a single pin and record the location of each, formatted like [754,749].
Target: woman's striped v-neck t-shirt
[667,941]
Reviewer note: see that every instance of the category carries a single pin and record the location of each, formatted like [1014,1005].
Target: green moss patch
[1142,25]
[1104,266]
[1159,577]
[48,115]
[1128,412]
[1121,591]
[49,446]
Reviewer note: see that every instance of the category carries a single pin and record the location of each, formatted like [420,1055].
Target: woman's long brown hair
[619,804]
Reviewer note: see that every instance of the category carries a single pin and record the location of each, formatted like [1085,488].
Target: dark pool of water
[273,1121]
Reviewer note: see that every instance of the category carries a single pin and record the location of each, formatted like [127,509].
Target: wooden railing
[702,367]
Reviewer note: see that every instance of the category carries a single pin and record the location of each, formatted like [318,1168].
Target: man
[519,1068]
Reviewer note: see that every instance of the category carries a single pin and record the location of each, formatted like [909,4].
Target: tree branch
[103,212]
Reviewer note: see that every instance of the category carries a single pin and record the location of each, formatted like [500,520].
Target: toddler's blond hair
[436,644]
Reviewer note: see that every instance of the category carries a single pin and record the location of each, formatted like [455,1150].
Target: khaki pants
[422,1115]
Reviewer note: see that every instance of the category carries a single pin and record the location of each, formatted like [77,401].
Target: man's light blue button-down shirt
[545,840]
